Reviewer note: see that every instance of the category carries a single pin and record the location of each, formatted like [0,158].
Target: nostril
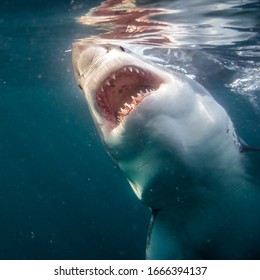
[122,48]
[108,48]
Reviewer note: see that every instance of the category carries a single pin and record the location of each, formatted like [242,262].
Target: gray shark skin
[179,151]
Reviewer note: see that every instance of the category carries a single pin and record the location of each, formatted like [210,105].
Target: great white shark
[178,149]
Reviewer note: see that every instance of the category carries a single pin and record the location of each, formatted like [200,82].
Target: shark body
[179,151]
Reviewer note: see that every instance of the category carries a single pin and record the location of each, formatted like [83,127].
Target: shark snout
[80,52]
[88,56]
[77,49]
[85,54]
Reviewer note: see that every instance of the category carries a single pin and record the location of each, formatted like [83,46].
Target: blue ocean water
[61,197]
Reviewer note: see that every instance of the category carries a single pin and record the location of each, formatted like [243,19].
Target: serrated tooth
[134,100]
[131,69]
[107,83]
[122,112]
[102,89]
[113,76]
[137,71]
[139,96]
[127,105]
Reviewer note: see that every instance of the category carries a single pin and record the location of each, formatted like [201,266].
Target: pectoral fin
[163,241]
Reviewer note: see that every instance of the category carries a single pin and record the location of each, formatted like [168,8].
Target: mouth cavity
[123,90]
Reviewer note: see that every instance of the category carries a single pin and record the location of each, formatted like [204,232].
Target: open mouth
[123,90]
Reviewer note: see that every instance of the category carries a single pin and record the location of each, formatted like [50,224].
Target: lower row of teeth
[124,111]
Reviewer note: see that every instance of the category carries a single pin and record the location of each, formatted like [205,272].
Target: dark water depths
[61,197]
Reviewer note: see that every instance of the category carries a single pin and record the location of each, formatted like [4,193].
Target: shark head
[157,125]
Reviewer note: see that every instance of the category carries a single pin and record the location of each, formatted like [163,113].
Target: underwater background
[61,196]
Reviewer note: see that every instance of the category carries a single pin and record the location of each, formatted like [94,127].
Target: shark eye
[122,48]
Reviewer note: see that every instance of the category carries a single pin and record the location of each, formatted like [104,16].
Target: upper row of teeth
[131,69]
[113,76]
